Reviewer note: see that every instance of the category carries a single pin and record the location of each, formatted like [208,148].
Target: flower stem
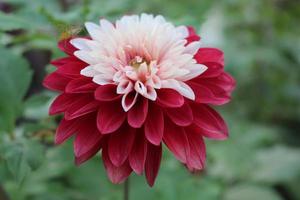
[126,189]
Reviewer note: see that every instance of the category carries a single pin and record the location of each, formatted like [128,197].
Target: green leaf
[277,164]
[15,77]
[250,192]
[36,107]
[22,156]
[12,22]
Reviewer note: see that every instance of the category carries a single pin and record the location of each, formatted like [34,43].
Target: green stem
[126,189]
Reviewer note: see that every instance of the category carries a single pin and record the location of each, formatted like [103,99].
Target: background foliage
[261,159]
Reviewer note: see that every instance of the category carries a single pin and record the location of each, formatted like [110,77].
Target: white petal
[182,31]
[180,87]
[86,57]
[140,87]
[106,25]
[151,93]
[80,43]
[102,79]
[192,48]
[127,105]
[88,71]
[118,76]
[194,71]
[110,71]
[154,82]
[125,86]
[94,30]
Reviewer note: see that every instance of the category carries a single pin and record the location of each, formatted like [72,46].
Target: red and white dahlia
[133,85]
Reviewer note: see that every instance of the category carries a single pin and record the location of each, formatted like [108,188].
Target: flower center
[139,69]
[136,62]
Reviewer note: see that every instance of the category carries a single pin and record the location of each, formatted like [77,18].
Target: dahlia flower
[133,85]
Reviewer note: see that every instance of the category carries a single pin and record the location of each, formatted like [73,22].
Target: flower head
[133,85]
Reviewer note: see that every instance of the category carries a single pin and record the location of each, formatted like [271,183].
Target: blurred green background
[260,160]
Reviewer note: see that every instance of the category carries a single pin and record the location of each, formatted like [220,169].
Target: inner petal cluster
[139,54]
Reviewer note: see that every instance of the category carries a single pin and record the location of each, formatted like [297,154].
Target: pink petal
[120,144]
[197,155]
[182,116]
[154,125]
[137,156]
[115,174]
[169,98]
[176,140]
[81,85]
[152,163]
[106,93]
[66,129]
[55,81]
[110,117]
[138,113]
[209,122]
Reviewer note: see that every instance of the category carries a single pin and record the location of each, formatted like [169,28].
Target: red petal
[66,46]
[65,130]
[192,35]
[210,122]
[220,87]
[169,98]
[82,106]
[62,103]
[55,81]
[176,140]
[208,55]
[223,83]
[81,85]
[205,95]
[107,93]
[61,61]
[152,163]
[86,156]
[213,70]
[110,117]
[182,116]
[137,157]
[120,144]
[71,69]
[115,174]
[154,125]
[87,138]
[138,113]
[197,155]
